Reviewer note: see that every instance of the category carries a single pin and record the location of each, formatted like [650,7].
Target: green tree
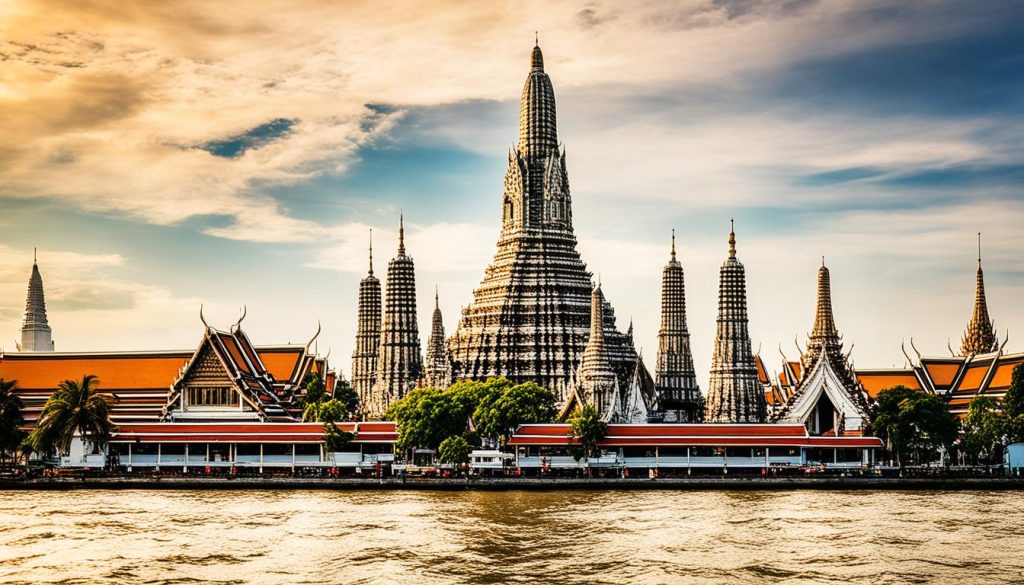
[913,424]
[344,392]
[425,417]
[327,411]
[586,426]
[984,428]
[500,413]
[1013,402]
[315,391]
[11,420]
[76,407]
[454,450]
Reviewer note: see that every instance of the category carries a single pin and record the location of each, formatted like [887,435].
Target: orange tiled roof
[943,373]
[1004,373]
[281,362]
[797,370]
[762,376]
[875,382]
[973,378]
[123,371]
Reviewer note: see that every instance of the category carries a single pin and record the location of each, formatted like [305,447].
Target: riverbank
[509,484]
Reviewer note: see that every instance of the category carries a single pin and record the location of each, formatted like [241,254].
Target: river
[137,536]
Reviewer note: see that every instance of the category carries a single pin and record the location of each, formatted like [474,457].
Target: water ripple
[393,538]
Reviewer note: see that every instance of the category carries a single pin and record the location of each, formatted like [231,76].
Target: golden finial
[673,243]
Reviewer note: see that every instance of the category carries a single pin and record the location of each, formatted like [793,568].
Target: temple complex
[35,330]
[734,393]
[399,361]
[437,371]
[530,317]
[675,376]
[364,357]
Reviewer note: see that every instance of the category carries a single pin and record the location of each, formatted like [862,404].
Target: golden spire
[980,336]
[673,243]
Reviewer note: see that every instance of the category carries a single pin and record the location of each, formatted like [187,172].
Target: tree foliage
[984,427]
[76,407]
[344,392]
[327,411]
[315,390]
[454,450]
[1013,402]
[913,424]
[586,426]
[501,412]
[427,416]
[11,434]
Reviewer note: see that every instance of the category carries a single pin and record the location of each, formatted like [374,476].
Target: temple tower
[980,336]
[35,330]
[399,363]
[530,316]
[364,357]
[734,393]
[598,384]
[675,376]
[437,371]
[827,398]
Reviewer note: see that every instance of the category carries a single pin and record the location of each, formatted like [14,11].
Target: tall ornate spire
[827,397]
[598,384]
[364,357]
[734,394]
[437,371]
[399,362]
[824,335]
[980,336]
[675,377]
[35,329]
[530,315]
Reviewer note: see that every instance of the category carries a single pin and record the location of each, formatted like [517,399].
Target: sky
[167,155]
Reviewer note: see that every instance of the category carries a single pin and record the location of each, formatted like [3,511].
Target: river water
[521,537]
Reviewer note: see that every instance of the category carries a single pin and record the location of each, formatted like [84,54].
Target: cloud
[168,111]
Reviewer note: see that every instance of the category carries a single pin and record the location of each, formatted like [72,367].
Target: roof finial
[536,38]
[371,251]
[437,298]
[401,233]
[732,238]
[979,249]
[35,253]
[822,260]
[673,243]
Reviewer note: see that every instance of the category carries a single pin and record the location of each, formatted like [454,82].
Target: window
[212,397]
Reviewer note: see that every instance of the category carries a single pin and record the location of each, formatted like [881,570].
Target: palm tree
[75,408]
[10,418]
